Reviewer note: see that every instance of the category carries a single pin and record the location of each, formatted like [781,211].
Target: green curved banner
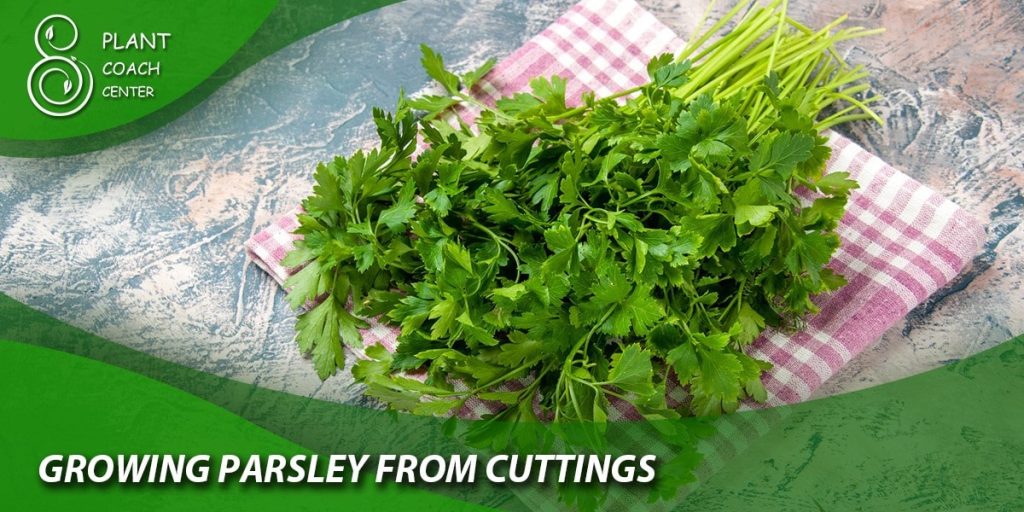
[85,77]
[72,405]
[948,439]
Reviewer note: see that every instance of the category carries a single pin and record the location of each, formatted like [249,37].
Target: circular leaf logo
[59,85]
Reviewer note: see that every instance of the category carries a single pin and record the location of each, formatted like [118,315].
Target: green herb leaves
[558,258]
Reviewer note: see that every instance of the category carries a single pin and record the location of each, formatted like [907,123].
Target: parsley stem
[577,348]
[483,106]
[703,38]
[640,197]
[483,387]
[582,230]
[506,376]
[600,387]
[735,299]
[778,37]
[583,108]
[498,240]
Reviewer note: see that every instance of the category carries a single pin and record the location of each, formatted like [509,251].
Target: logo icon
[59,85]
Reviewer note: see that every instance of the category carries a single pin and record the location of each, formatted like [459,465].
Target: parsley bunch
[557,257]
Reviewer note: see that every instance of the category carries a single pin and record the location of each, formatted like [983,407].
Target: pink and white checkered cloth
[901,241]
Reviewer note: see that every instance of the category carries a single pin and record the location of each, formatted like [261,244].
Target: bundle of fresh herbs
[557,257]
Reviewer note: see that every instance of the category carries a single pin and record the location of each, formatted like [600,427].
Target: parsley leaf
[433,64]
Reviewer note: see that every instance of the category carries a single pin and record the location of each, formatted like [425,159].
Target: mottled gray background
[141,243]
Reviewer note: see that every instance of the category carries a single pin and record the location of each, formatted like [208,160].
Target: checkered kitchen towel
[901,241]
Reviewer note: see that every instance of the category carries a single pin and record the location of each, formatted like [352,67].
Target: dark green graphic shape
[287,21]
[58,403]
[320,426]
[948,439]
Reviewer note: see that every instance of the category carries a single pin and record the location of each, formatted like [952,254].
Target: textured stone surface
[141,243]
